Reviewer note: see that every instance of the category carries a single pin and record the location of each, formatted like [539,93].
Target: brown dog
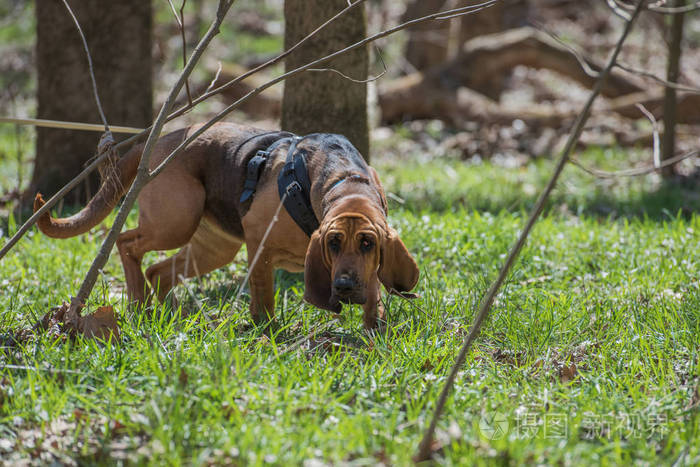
[195,203]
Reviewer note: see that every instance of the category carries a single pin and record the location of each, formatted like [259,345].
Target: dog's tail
[116,180]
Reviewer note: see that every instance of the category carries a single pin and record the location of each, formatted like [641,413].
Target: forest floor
[591,353]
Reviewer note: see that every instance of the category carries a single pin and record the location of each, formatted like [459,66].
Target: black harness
[293,183]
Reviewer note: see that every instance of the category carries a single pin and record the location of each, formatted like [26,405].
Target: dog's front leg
[373,308]
[262,288]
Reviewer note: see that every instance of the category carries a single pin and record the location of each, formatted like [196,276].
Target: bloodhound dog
[196,204]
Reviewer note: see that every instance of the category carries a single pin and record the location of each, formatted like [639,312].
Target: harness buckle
[293,188]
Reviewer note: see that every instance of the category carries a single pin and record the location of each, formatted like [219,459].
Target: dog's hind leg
[170,211]
[205,252]
[131,251]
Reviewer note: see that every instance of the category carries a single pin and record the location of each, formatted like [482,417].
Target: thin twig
[655,134]
[90,68]
[368,80]
[615,7]
[42,122]
[658,79]
[633,172]
[424,449]
[181,24]
[259,251]
[623,66]
[216,78]
[676,10]
[657,8]
[585,66]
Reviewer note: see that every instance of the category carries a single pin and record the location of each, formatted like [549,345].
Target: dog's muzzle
[347,289]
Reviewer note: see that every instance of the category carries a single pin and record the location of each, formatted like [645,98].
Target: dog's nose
[343,285]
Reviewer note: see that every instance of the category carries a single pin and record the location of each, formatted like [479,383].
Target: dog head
[350,254]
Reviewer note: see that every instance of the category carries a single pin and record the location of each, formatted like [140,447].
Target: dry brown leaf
[102,324]
[567,373]
[183,377]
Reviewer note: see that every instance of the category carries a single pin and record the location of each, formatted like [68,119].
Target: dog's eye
[334,244]
[366,244]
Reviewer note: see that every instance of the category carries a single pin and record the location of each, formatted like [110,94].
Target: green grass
[606,291]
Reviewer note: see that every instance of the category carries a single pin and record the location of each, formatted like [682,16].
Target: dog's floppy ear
[317,276]
[397,268]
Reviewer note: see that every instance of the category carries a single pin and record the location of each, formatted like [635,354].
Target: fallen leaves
[567,373]
[560,364]
[76,440]
[101,325]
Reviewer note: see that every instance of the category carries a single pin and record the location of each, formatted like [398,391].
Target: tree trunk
[670,107]
[119,38]
[324,101]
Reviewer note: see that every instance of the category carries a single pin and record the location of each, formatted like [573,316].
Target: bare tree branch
[215,79]
[90,68]
[676,10]
[368,80]
[655,134]
[424,449]
[636,172]
[636,71]
[181,24]
[585,66]
[619,11]
[655,7]
[658,79]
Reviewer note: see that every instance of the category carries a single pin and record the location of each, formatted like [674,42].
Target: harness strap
[293,181]
[255,167]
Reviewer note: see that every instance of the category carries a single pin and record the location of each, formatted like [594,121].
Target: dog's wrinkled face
[349,256]
[350,248]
